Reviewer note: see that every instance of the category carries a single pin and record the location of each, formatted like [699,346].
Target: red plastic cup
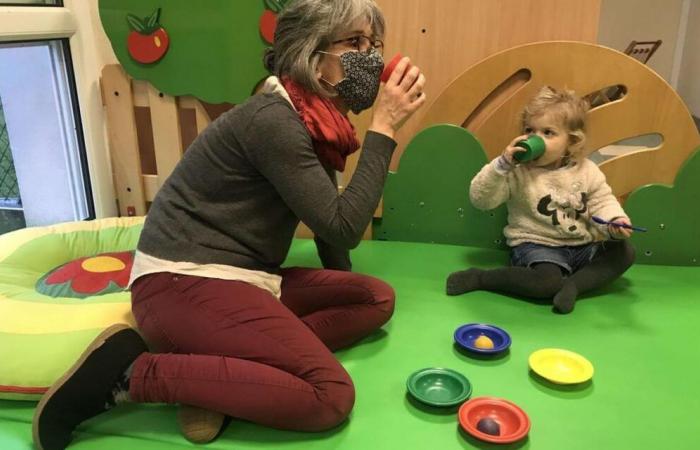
[389,68]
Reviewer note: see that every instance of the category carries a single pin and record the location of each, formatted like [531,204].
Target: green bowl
[439,387]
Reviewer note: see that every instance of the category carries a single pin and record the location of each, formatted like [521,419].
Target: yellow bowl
[561,366]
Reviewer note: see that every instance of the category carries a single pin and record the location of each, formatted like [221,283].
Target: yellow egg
[483,342]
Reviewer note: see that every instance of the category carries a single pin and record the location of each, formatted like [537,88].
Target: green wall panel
[215,50]
[427,200]
[670,213]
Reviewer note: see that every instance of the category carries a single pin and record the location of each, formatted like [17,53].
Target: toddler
[557,251]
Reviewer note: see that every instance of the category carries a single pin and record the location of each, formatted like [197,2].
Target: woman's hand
[620,232]
[511,149]
[401,96]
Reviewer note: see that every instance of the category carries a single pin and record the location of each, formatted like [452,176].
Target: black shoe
[86,390]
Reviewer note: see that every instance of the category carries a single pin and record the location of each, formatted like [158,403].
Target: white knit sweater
[545,206]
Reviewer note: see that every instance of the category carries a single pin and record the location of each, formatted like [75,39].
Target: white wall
[91,51]
[623,21]
[105,53]
[689,78]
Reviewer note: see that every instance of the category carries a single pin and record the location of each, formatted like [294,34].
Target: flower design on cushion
[89,276]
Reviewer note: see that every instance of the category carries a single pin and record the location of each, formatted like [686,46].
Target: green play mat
[639,333]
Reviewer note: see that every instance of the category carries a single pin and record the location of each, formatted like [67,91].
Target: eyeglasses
[362,44]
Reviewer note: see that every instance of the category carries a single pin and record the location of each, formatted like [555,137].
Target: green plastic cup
[534,148]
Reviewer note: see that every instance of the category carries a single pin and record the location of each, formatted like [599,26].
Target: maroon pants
[232,347]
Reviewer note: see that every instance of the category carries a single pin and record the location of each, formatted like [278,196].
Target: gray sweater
[238,193]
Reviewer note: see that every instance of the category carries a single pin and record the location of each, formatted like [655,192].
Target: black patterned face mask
[360,86]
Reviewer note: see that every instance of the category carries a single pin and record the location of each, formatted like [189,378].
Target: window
[42,138]
[54,166]
[11,215]
[31,3]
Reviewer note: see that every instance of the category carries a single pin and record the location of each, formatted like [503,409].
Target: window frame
[33,5]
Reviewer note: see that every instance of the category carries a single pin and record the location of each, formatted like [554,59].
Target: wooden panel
[447,37]
[167,139]
[303,232]
[201,116]
[123,142]
[144,132]
[188,126]
[650,106]
[150,187]
[164,135]
[140,93]
[187,101]
[214,110]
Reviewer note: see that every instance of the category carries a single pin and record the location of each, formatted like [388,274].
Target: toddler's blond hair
[568,108]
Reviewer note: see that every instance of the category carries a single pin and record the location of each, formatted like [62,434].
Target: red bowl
[512,420]
[389,68]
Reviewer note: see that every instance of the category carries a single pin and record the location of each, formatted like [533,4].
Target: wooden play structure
[148,132]
[642,52]
[487,98]
[145,152]
[445,38]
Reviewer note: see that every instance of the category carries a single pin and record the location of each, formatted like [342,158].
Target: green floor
[641,334]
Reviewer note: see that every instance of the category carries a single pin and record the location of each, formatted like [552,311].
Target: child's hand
[620,232]
[512,149]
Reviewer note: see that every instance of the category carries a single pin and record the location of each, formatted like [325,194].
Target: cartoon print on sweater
[565,211]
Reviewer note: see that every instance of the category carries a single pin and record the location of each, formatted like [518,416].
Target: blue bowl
[467,334]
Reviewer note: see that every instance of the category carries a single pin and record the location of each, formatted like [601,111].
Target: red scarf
[332,134]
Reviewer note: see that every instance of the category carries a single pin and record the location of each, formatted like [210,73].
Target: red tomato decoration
[268,24]
[268,19]
[148,41]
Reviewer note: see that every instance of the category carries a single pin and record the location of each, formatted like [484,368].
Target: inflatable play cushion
[59,287]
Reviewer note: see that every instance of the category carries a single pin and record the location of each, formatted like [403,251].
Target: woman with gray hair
[236,334]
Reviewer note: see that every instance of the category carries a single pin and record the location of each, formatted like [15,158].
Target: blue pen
[597,219]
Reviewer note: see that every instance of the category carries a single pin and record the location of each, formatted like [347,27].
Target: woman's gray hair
[305,26]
